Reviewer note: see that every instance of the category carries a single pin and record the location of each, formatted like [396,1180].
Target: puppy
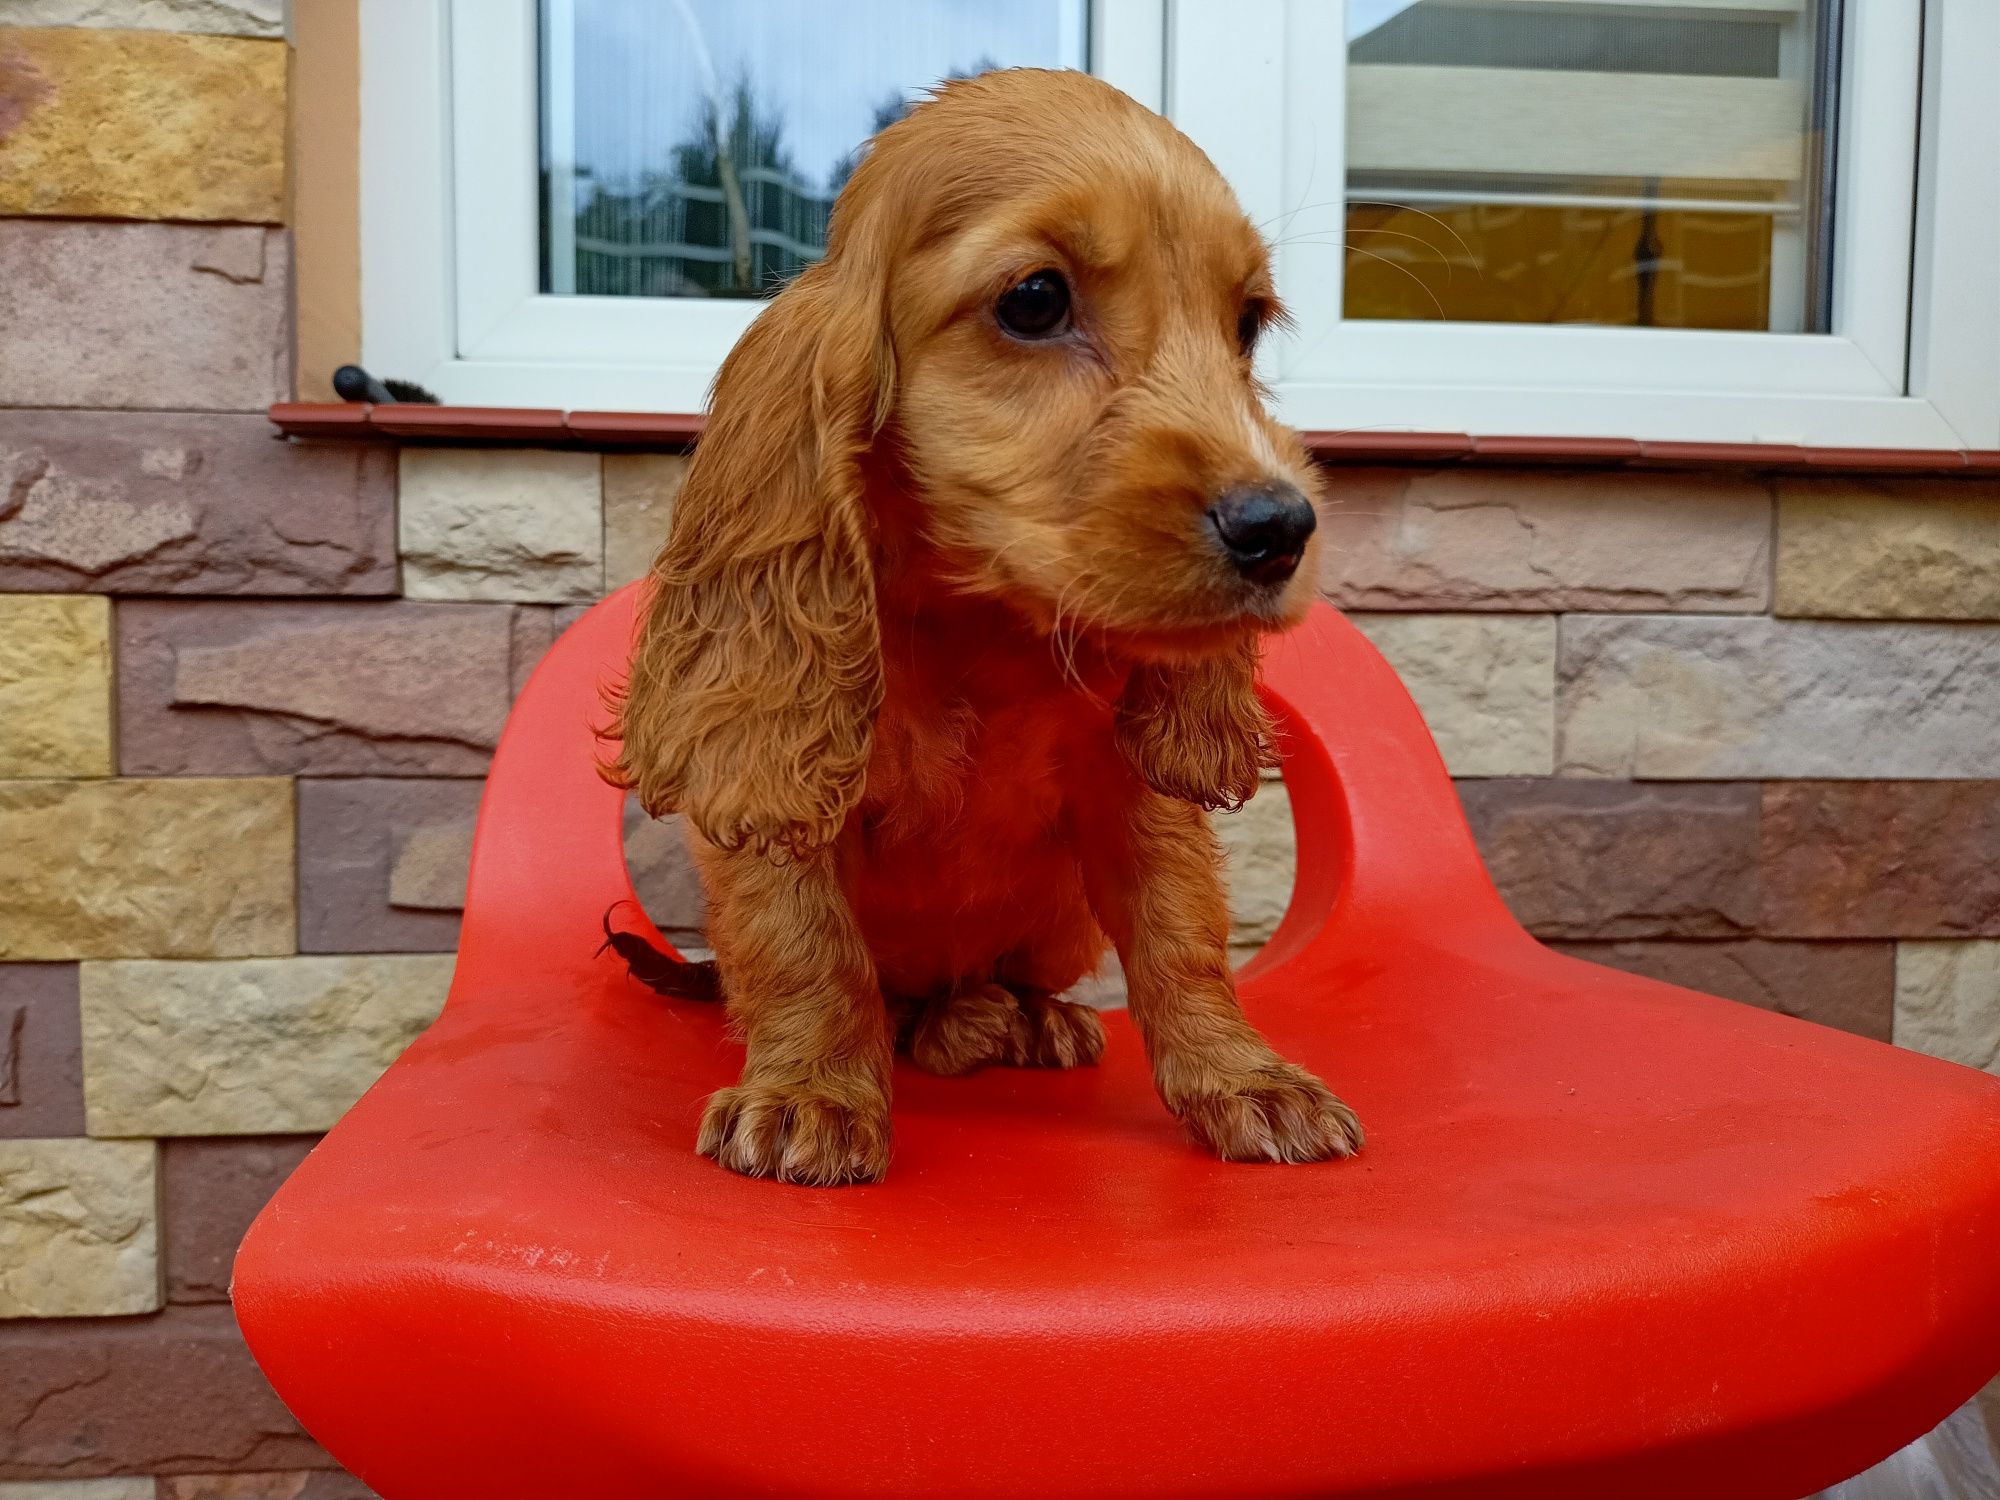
[954,636]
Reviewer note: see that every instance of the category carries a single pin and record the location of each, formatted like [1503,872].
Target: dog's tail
[676,978]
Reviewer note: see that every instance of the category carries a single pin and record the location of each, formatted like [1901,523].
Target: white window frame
[450,220]
[449,234]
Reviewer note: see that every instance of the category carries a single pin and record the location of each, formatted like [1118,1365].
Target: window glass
[692,148]
[1644,163]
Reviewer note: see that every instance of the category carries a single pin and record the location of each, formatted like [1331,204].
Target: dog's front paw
[1280,1113]
[796,1135]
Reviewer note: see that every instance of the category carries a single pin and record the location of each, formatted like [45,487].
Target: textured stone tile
[1545,540]
[78,1229]
[662,874]
[137,503]
[146,125]
[639,493]
[1889,550]
[256,1047]
[215,17]
[210,1191]
[55,685]
[513,524]
[382,863]
[537,627]
[176,1392]
[1586,859]
[362,689]
[113,869]
[1485,683]
[1948,1001]
[1881,859]
[41,1051]
[171,317]
[1261,857]
[78,1489]
[314,1484]
[1663,697]
[1851,986]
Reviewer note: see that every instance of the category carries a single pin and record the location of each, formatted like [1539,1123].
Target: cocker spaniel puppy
[953,639]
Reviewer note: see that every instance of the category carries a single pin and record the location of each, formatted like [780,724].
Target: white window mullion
[1955,343]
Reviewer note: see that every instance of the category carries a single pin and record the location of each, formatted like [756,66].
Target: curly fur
[942,662]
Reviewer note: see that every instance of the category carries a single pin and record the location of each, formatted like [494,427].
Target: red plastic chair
[1609,1238]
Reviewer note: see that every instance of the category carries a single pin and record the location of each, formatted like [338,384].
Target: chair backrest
[1383,850]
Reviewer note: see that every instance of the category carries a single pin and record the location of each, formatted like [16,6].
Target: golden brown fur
[941,665]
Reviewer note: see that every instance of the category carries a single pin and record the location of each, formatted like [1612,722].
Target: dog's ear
[1196,730]
[756,678]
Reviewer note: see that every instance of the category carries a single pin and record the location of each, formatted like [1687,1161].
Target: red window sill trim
[671,433]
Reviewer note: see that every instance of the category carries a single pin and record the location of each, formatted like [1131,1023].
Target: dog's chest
[989,782]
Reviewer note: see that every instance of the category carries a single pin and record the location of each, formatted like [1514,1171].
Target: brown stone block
[175,1393]
[1533,539]
[1882,859]
[138,503]
[1600,859]
[362,689]
[41,1051]
[159,317]
[210,1191]
[382,863]
[1851,986]
[145,125]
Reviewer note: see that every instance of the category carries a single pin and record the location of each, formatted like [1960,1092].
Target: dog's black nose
[1264,528]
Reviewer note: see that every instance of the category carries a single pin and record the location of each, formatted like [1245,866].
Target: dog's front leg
[813,1103]
[1154,874]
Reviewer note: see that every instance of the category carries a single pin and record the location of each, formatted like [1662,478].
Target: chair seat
[1608,1237]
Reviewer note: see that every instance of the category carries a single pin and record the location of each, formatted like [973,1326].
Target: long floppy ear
[1196,730]
[757,675]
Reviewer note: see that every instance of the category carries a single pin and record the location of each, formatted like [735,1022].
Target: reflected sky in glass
[824,70]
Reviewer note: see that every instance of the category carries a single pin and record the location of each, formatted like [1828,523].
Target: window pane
[1631,162]
[692,148]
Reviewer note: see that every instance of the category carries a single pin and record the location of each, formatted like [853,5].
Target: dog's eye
[1037,308]
[1248,326]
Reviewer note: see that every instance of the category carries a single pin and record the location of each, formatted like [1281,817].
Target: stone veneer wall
[1740,734]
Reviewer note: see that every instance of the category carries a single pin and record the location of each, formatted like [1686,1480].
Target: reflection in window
[693,148]
[1631,162]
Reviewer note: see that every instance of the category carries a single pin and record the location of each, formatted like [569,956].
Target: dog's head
[1034,328]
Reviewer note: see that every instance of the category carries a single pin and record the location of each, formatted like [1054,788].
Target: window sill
[673,432]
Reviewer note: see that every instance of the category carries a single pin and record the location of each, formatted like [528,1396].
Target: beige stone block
[1948,1001]
[517,524]
[1692,698]
[78,1489]
[639,493]
[1260,857]
[250,1047]
[1485,684]
[216,17]
[1907,550]
[1543,539]
[116,124]
[79,1229]
[55,685]
[113,869]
